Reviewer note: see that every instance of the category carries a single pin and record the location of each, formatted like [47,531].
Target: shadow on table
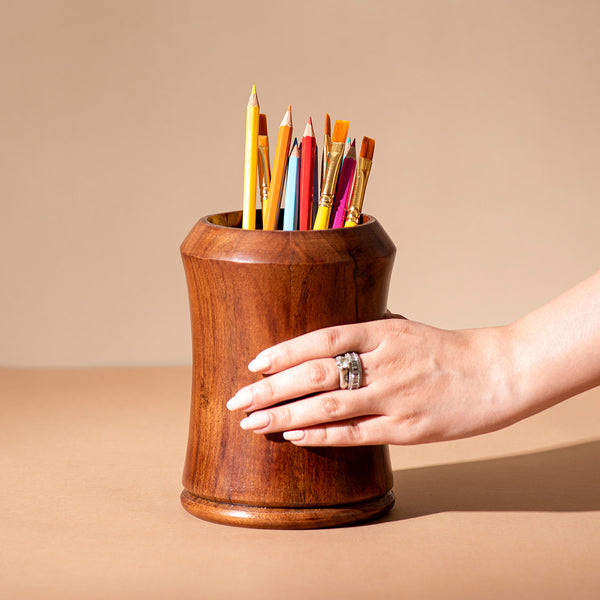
[559,480]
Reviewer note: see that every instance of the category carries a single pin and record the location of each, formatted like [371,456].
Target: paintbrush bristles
[367,148]
[262,125]
[327,124]
[340,131]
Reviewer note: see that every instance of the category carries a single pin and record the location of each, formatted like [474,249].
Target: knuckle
[286,356]
[331,407]
[354,432]
[266,391]
[257,395]
[284,417]
[317,374]
[254,395]
[331,339]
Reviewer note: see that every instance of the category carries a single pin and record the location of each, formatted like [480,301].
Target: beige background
[122,122]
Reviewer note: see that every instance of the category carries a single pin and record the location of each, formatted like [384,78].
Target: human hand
[420,384]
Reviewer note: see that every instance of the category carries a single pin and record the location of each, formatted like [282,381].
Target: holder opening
[234,221]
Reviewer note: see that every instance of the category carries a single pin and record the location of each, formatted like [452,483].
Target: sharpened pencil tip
[309,131]
[287,118]
[253,101]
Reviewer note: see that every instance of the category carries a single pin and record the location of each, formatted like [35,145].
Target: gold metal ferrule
[326,151]
[331,175]
[363,168]
[264,170]
[353,215]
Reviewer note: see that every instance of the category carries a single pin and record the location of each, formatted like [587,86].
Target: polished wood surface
[91,470]
[249,290]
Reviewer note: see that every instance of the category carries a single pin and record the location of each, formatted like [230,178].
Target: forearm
[556,348]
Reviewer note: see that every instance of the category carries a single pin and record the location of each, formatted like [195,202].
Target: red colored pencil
[306,178]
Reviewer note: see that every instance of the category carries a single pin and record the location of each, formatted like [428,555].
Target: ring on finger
[350,370]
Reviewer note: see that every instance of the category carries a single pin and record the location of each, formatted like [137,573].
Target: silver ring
[350,370]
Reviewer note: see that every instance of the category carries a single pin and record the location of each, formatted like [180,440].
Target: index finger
[322,343]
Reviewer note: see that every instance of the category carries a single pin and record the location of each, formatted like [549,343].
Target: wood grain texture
[250,289]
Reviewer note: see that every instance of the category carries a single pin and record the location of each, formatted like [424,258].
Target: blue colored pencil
[292,190]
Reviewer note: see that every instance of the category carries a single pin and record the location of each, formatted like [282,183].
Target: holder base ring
[286,518]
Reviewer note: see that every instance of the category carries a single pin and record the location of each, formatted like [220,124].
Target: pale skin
[423,384]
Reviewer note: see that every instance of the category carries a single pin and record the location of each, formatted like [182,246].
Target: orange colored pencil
[282,151]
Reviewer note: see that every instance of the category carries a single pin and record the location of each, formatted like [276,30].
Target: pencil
[344,187]
[282,150]
[292,186]
[306,178]
[346,148]
[340,131]
[251,156]
[316,187]
[326,148]
[264,165]
[363,168]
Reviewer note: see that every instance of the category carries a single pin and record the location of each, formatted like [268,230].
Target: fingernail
[243,399]
[260,363]
[293,436]
[255,421]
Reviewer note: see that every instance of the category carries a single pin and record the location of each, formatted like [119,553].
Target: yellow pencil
[251,158]
[363,168]
[336,153]
[282,151]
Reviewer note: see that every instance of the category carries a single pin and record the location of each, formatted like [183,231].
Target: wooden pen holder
[248,290]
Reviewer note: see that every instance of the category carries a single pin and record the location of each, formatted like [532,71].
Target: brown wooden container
[249,290]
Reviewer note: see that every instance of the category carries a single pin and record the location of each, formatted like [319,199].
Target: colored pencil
[251,158]
[306,178]
[326,148]
[316,188]
[264,164]
[282,151]
[292,188]
[363,169]
[346,148]
[344,187]
[340,131]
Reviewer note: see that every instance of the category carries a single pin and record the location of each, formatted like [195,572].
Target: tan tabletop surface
[90,483]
